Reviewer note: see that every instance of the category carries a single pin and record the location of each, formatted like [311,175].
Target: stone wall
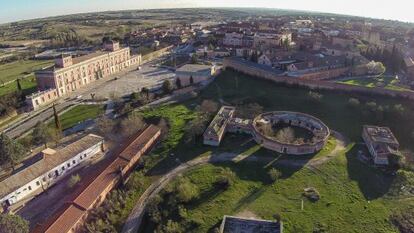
[156,54]
[267,73]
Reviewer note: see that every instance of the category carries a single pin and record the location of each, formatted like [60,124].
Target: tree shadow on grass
[372,182]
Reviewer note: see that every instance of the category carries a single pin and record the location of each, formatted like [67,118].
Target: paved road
[133,222]
[125,84]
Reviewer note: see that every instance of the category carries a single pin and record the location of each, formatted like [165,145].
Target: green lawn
[386,82]
[353,197]
[28,86]
[18,69]
[80,113]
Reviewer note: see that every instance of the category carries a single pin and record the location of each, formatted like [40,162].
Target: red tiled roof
[69,215]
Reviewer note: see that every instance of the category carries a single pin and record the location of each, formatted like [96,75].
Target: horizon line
[179,8]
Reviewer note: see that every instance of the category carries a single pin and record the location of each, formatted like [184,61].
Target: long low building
[72,216]
[70,74]
[231,224]
[52,166]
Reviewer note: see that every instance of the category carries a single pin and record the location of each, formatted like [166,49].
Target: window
[68,164]
[38,183]
[73,161]
[30,188]
[63,168]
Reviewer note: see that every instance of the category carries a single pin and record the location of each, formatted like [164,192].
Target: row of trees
[393,60]
[12,151]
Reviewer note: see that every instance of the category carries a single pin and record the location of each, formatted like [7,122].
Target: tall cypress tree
[19,86]
[57,120]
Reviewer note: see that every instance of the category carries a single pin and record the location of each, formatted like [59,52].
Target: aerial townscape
[210,120]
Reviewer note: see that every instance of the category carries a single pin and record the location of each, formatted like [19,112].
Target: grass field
[28,86]
[18,69]
[353,198]
[386,82]
[80,113]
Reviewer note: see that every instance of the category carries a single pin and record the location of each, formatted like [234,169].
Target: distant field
[18,69]
[80,113]
[385,82]
[23,42]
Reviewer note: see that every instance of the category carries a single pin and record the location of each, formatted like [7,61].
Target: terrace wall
[262,72]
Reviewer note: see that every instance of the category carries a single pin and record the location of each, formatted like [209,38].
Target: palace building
[70,74]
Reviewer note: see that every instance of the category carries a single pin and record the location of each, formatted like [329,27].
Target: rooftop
[244,225]
[218,123]
[380,134]
[47,163]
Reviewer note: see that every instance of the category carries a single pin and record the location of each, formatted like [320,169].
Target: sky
[15,10]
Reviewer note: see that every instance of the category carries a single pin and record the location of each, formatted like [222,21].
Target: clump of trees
[393,60]
[13,224]
[375,67]
[11,151]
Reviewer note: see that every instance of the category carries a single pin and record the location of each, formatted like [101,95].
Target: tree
[178,83]
[19,86]
[353,102]
[194,59]
[254,57]
[10,151]
[13,224]
[226,178]
[375,68]
[195,128]
[132,124]
[315,96]
[186,190]
[208,107]
[73,180]
[274,174]
[249,111]
[286,135]
[41,134]
[172,227]
[104,126]
[145,91]
[58,125]
[167,87]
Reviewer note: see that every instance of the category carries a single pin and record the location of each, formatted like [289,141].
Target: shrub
[312,194]
[274,174]
[353,102]
[186,191]
[315,95]
[73,180]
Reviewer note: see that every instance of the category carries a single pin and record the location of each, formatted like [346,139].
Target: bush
[353,102]
[186,191]
[274,174]
[315,95]
[312,194]
[226,178]
[74,179]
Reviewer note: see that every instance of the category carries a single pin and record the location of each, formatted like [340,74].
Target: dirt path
[134,219]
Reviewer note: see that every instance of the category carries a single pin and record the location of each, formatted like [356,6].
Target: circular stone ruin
[290,132]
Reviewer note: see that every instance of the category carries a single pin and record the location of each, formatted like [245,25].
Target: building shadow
[372,182]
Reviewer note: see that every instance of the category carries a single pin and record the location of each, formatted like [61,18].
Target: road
[117,85]
[133,222]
